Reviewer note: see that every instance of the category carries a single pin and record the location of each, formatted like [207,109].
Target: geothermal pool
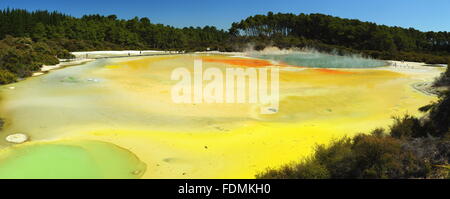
[321,60]
[114,118]
[69,160]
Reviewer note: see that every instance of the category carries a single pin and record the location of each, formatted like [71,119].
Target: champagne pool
[69,160]
[321,60]
[124,107]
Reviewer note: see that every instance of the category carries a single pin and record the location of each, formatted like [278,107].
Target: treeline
[329,33]
[96,32]
[410,148]
[324,32]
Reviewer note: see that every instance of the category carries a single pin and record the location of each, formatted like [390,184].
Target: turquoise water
[321,60]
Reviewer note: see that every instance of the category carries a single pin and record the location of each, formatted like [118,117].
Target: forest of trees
[94,32]
[60,34]
[330,33]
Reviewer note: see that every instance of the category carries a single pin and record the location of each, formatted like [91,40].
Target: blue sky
[424,15]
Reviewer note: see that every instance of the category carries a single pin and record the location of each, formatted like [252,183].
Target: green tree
[38,33]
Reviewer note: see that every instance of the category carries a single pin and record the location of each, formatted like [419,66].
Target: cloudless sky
[425,15]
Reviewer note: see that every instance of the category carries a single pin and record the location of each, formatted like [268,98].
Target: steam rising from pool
[311,58]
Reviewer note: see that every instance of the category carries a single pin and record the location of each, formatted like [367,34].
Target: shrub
[7,77]
[383,157]
[64,54]
[307,170]
[407,127]
[439,123]
[20,57]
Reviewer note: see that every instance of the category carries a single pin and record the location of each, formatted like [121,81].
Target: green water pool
[69,159]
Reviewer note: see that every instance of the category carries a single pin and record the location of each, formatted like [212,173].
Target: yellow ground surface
[130,105]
